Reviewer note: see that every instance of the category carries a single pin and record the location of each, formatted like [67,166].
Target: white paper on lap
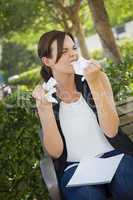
[93,171]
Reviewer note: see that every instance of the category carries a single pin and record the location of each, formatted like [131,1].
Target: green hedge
[29,78]
[121,77]
[20,177]
[126,46]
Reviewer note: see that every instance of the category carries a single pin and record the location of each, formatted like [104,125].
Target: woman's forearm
[52,139]
[107,114]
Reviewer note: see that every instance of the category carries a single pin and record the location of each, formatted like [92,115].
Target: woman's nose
[73,54]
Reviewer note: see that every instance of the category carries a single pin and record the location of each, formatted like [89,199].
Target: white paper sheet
[93,171]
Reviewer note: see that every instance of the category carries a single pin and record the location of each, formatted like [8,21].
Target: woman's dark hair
[44,49]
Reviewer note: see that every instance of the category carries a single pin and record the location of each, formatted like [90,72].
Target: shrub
[121,77]
[29,78]
[126,46]
[20,177]
[97,54]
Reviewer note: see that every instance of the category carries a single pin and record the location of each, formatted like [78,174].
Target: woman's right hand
[39,94]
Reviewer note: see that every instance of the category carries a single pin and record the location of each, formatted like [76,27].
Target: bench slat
[126,119]
[125,109]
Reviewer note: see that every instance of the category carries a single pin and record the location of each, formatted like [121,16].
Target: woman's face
[69,54]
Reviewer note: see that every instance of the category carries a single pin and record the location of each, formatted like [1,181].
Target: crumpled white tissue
[80,65]
[50,89]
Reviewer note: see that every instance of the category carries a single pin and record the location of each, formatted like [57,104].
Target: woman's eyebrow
[68,48]
[65,48]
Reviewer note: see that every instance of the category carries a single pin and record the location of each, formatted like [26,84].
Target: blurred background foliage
[20,152]
[22,23]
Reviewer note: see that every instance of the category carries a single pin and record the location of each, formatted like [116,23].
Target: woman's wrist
[97,89]
[42,107]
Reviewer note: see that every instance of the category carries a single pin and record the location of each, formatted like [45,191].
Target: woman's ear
[47,61]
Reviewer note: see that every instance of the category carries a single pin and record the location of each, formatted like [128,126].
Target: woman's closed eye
[66,50]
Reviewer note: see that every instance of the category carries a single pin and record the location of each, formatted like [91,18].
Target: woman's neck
[66,87]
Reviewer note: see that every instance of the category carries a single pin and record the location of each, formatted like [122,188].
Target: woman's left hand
[92,71]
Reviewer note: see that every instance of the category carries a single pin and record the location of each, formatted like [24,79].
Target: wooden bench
[125,111]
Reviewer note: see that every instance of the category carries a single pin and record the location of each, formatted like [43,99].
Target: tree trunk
[71,13]
[79,32]
[104,30]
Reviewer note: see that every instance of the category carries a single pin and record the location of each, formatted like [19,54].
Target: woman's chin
[70,71]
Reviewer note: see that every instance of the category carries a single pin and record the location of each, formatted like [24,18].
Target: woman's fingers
[36,92]
[95,63]
[39,94]
[92,71]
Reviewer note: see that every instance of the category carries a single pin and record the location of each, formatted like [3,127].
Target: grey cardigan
[121,141]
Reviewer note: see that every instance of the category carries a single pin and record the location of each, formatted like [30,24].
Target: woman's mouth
[76,58]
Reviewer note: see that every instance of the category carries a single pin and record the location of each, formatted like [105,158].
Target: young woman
[84,122]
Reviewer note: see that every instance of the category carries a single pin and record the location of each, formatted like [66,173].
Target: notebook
[95,170]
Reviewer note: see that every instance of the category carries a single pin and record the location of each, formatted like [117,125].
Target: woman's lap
[121,185]
[81,192]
